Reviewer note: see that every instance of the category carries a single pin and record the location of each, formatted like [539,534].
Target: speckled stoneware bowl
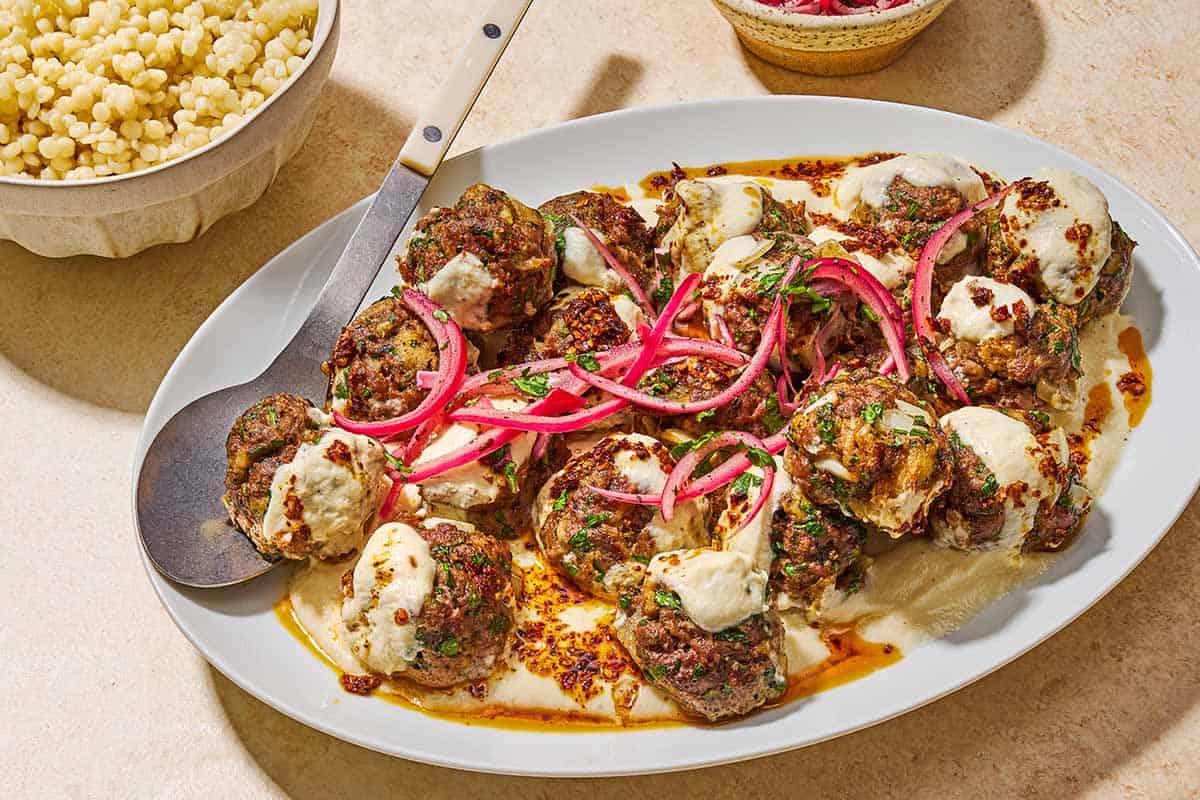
[179,200]
[820,45]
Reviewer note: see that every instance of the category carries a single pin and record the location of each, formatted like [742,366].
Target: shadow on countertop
[105,331]
[987,54]
[1055,723]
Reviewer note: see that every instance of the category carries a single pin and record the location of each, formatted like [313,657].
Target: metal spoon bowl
[183,526]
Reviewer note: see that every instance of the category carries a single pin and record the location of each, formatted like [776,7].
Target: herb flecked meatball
[604,545]
[433,604]
[864,444]
[488,260]
[712,674]
[265,436]
[577,322]
[621,229]
[694,378]
[812,549]
[375,361]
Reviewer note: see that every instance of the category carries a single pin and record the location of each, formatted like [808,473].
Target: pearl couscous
[109,87]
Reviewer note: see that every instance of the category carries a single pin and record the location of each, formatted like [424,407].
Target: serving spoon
[183,526]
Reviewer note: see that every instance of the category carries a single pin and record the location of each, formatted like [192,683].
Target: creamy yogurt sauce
[915,590]
[994,319]
[464,288]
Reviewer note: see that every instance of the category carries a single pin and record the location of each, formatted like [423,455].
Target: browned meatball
[462,626]
[865,444]
[755,410]
[262,439]
[375,361]
[621,228]
[604,545]
[586,321]
[712,675]
[1036,503]
[812,548]
[1038,365]
[911,214]
[1116,276]
[503,256]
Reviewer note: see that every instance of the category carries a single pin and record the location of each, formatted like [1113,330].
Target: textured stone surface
[104,698]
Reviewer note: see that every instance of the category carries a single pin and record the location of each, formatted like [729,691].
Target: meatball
[296,489]
[620,228]
[579,321]
[911,196]
[1011,488]
[701,215]
[375,361]
[813,547]
[1116,277]
[495,493]
[489,260]
[604,545]
[741,284]
[1053,237]
[1007,350]
[866,446]
[433,604]
[756,410]
[701,632]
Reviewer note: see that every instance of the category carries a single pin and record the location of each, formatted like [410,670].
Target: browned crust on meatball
[877,459]
[585,322]
[812,548]
[755,410]
[514,243]
[1007,371]
[463,626]
[710,675]
[263,438]
[625,232]
[379,355]
[585,535]
[1114,282]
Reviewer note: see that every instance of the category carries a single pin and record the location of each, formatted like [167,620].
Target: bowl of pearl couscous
[130,123]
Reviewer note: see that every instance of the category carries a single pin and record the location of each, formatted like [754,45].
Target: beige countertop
[106,699]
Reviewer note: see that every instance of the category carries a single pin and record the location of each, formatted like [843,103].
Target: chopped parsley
[341,391]
[773,418]
[667,599]
[872,413]
[1040,416]
[533,385]
[510,475]
[499,625]
[663,291]
[868,313]
[580,542]
[731,635]
[624,601]
[683,448]
[560,502]
[449,647]
[707,414]
[744,482]
[759,457]
[441,315]
[826,425]
[654,672]
[272,416]
[586,360]
[990,485]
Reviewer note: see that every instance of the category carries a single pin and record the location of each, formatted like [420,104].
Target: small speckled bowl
[820,45]
[178,200]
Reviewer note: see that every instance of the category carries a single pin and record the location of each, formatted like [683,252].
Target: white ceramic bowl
[179,200]
[820,45]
